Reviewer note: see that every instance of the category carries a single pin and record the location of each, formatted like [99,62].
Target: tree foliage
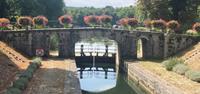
[117,13]
[185,11]
[51,8]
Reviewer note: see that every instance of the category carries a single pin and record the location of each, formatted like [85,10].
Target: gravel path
[54,77]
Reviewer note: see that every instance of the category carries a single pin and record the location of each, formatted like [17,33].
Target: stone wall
[155,44]
[175,43]
[150,82]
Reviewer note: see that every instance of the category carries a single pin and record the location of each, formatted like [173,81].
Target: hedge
[21,83]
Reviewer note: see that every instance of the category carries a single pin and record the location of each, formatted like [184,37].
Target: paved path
[55,77]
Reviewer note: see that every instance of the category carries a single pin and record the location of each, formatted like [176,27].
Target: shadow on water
[102,78]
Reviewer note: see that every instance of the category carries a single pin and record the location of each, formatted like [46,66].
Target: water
[101,79]
[97,77]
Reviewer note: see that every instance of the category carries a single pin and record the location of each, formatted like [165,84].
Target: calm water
[102,79]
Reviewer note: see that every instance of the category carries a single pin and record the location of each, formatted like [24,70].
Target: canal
[98,70]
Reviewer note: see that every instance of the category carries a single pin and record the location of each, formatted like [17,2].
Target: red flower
[40,20]
[24,21]
[196,27]
[123,21]
[161,24]
[105,18]
[92,19]
[132,22]
[4,22]
[174,25]
[65,19]
[147,23]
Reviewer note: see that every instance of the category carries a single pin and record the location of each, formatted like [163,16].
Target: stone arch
[143,47]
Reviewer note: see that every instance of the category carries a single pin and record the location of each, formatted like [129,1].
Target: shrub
[27,74]
[24,21]
[37,61]
[159,24]
[180,68]
[21,83]
[196,27]
[173,25]
[169,64]
[13,91]
[40,21]
[193,75]
[65,20]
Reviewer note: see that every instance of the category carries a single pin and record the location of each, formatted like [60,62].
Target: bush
[37,61]
[20,83]
[169,64]
[27,74]
[180,68]
[13,91]
[193,75]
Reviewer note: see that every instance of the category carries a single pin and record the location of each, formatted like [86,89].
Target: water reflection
[97,79]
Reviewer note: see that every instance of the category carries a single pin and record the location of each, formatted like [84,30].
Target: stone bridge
[154,44]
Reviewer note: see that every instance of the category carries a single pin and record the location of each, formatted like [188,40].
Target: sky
[99,3]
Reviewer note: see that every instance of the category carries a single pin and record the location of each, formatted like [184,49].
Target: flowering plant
[4,22]
[40,21]
[158,24]
[91,20]
[132,22]
[173,25]
[129,23]
[147,23]
[65,20]
[123,21]
[105,20]
[196,27]
[24,21]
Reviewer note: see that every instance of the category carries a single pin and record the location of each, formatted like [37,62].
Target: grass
[177,80]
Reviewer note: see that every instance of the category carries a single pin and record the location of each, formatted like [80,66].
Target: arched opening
[141,48]
[54,45]
[96,64]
